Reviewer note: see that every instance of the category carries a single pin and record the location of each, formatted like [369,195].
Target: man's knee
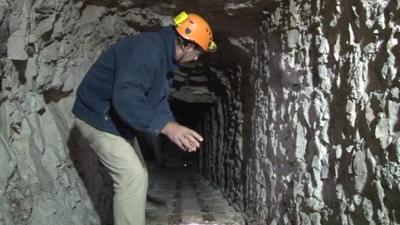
[140,173]
[132,178]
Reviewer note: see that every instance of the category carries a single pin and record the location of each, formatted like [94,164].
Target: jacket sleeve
[134,77]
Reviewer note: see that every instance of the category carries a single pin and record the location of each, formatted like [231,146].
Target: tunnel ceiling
[230,20]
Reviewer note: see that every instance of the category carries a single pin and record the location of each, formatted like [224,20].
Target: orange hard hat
[194,28]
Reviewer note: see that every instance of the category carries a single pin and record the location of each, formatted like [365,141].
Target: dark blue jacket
[127,88]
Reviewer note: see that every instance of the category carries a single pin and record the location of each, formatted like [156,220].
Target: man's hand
[187,139]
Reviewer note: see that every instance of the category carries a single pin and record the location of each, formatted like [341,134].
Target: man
[126,92]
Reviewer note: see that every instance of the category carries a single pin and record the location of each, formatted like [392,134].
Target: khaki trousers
[125,165]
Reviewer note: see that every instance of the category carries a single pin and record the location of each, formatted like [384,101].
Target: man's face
[192,53]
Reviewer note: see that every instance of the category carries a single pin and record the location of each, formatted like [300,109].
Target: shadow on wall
[94,175]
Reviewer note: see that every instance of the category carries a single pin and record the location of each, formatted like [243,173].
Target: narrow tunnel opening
[198,95]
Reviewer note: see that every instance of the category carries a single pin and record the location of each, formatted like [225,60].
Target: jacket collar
[169,41]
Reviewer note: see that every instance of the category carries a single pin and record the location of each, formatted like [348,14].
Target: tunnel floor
[185,198]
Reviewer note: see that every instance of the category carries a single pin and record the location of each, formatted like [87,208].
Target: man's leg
[125,165]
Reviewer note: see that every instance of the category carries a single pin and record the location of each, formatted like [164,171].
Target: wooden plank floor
[186,198]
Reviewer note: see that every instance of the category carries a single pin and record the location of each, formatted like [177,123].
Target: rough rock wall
[38,183]
[46,48]
[325,132]
[221,155]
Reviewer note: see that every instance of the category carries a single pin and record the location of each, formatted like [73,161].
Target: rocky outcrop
[46,47]
[39,184]
[323,135]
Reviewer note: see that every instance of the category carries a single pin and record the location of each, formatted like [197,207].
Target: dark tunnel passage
[178,191]
[197,94]
[190,115]
[200,98]
[299,110]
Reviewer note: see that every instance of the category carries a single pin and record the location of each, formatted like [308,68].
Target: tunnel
[299,109]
